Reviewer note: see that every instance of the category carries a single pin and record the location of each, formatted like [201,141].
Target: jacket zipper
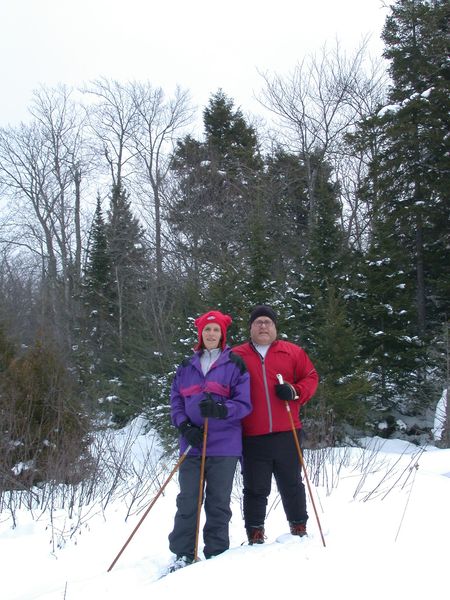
[266,389]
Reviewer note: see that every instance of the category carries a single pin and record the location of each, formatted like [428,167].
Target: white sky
[383,512]
[199,44]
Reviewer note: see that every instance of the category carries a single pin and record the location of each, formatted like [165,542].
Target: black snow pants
[264,456]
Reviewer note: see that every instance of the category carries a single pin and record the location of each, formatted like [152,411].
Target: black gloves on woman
[192,434]
[210,408]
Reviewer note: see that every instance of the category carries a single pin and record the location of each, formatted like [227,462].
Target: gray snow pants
[219,476]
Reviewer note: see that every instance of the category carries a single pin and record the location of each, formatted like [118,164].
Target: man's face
[263,331]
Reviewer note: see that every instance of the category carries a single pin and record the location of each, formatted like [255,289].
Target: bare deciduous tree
[113,118]
[61,125]
[40,172]
[160,120]
[317,105]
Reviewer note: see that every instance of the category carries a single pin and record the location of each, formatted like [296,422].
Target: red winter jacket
[269,413]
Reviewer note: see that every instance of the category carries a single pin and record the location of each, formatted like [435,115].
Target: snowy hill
[383,511]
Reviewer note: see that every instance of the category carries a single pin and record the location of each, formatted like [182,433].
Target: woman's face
[211,335]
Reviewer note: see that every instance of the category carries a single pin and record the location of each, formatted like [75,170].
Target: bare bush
[123,467]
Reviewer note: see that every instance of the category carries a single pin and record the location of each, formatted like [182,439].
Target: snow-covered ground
[384,513]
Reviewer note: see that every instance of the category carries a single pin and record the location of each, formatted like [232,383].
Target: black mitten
[191,433]
[285,391]
[210,408]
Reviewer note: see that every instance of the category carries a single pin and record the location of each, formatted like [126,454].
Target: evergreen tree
[126,252]
[287,208]
[325,263]
[97,283]
[216,205]
[118,346]
[230,140]
[402,289]
[262,248]
[384,308]
[403,286]
[340,405]
[129,346]
[413,163]
[321,322]
[44,428]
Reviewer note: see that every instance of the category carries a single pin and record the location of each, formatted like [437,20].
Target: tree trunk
[420,275]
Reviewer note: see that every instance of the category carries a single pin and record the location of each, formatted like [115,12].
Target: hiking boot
[255,535]
[180,562]
[298,529]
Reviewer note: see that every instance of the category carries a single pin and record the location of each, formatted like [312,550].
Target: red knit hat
[213,316]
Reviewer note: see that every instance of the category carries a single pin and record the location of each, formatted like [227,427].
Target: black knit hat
[262,311]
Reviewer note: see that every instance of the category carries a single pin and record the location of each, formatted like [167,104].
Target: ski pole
[302,462]
[161,489]
[200,490]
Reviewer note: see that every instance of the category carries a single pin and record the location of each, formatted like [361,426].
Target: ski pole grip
[281,381]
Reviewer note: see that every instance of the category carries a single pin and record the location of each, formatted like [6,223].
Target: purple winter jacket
[228,382]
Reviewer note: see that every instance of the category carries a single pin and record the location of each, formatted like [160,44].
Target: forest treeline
[119,225]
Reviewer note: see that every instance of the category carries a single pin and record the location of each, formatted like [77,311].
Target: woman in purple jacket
[212,384]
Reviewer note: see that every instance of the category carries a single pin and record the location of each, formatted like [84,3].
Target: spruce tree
[118,340]
[217,204]
[287,207]
[97,284]
[321,321]
[126,252]
[231,141]
[129,345]
[414,183]
[325,263]
[404,296]
[340,406]
[384,308]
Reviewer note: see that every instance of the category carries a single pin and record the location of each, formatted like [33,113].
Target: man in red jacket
[268,445]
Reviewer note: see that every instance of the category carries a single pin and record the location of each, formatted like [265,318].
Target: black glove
[210,408]
[192,434]
[285,391]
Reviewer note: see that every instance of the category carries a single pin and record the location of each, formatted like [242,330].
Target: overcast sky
[201,45]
